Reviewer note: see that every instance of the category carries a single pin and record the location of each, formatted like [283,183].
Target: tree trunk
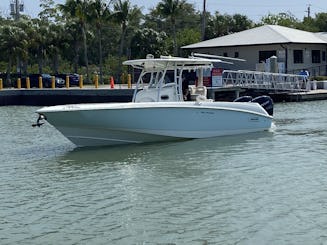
[76,56]
[174,36]
[24,67]
[9,66]
[40,60]
[85,54]
[56,62]
[121,52]
[100,55]
[121,47]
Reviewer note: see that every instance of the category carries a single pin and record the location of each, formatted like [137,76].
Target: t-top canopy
[171,63]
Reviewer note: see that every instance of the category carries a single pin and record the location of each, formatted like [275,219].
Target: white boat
[158,111]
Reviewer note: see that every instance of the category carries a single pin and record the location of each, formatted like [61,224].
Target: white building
[295,49]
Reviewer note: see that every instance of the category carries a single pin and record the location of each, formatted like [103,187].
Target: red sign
[217,71]
[207,81]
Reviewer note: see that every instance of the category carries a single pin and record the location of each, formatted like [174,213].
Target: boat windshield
[158,79]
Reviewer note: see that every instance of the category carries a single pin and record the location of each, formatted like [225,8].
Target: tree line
[95,36]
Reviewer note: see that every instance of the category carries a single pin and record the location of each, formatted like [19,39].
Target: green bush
[319,78]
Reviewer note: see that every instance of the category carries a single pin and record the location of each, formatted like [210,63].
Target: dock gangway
[265,80]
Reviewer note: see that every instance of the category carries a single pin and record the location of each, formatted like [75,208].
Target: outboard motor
[243,99]
[266,102]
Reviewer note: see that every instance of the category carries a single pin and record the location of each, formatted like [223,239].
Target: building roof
[267,34]
[322,35]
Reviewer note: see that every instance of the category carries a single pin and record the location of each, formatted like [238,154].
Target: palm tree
[99,16]
[72,43]
[39,40]
[78,11]
[56,42]
[13,44]
[170,9]
[125,14]
[24,23]
[122,16]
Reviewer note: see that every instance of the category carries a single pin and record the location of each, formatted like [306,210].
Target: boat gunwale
[153,105]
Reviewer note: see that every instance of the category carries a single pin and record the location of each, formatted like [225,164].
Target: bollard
[67,81]
[19,83]
[96,81]
[28,83]
[112,83]
[129,81]
[80,81]
[1,84]
[40,82]
[53,82]
[122,78]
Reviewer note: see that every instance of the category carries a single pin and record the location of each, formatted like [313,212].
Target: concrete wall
[48,97]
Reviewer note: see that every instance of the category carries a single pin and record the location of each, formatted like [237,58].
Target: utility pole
[308,10]
[203,29]
[16,6]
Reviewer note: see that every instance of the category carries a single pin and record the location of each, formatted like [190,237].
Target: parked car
[73,78]
[46,81]
[13,79]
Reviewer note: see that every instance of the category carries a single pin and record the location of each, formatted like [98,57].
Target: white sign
[217,77]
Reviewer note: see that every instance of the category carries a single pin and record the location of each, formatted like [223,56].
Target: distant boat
[158,111]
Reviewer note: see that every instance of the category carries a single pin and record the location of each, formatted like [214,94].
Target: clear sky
[254,9]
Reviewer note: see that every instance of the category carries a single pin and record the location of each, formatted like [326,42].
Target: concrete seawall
[48,97]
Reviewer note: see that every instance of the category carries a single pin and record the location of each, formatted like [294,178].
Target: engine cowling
[266,102]
[243,99]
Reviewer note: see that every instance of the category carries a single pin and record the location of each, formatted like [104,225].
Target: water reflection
[166,151]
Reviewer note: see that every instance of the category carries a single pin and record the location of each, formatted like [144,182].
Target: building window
[225,54]
[323,56]
[263,55]
[298,56]
[236,55]
[315,54]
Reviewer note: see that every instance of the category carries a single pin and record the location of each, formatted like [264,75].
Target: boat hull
[127,123]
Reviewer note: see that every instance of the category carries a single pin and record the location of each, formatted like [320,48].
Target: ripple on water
[262,188]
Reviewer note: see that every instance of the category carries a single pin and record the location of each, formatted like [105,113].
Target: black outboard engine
[266,102]
[243,99]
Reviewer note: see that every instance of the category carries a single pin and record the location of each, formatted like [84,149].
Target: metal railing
[319,70]
[265,80]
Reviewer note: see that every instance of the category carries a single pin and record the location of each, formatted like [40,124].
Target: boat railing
[265,80]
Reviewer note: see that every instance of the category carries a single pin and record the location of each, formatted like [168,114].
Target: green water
[262,188]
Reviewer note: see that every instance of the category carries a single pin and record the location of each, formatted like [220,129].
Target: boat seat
[169,85]
[198,91]
[201,90]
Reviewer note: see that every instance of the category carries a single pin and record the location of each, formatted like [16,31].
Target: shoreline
[103,94]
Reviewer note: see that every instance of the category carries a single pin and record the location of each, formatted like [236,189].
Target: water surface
[261,188]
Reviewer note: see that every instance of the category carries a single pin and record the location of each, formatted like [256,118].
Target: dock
[59,96]
[229,94]
[319,94]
